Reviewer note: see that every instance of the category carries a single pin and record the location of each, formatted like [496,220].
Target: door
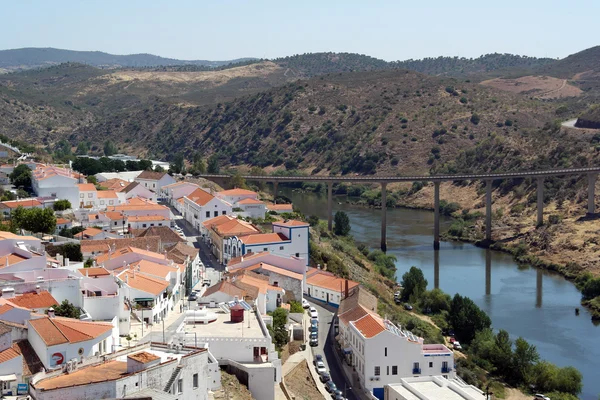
[327,298]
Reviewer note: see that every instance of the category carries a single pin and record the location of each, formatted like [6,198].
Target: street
[326,349]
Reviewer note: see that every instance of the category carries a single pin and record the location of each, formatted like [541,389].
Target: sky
[225,30]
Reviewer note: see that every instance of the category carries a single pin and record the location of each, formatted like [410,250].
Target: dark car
[317,358]
[313,328]
[330,386]
[407,307]
[313,342]
[193,296]
[336,394]
[324,377]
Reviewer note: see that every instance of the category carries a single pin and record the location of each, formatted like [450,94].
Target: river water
[537,305]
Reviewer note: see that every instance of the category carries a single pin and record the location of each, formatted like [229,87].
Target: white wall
[196,214]
[299,237]
[293,264]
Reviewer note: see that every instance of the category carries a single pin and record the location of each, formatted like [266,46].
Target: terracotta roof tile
[8,354]
[327,280]
[86,187]
[108,371]
[370,325]
[115,184]
[34,300]
[166,234]
[237,192]
[144,283]
[101,246]
[107,194]
[225,287]
[234,227]
[11,259]
[200,197]
[151,175]
[93,271]
[61,330]
[143,357]
[62,221]
[280,207]
[142,218]
[23,203]
[291,222]
[236,260]
[180,251]
[88,232]
[250,201]
[264,238]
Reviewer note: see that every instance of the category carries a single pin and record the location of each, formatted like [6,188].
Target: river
[535,304]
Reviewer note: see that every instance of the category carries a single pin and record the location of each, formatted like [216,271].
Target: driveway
[326,348]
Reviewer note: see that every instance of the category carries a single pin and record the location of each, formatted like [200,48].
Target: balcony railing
[446,370]
[416,371]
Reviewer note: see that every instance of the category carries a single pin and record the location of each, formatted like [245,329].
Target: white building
[383,353]
[60,183]
[9,206]
[182,253]
[154,181]
[57,340]
[107,198]
[431,388]
[326,287]
[87,196]
[135,189]
[201,206]
[146,221]
[235,195]
[20,253]
[148,371]
[11,361]
[291,282]
[251,208]
[298,233]
[177,190]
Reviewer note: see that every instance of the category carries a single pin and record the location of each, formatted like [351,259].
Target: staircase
[173,377]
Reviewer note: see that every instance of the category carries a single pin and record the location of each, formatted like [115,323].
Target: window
[297,254]
[216,214]
[81,196]
[387,370]
[143,225]
[90,195]
[430,364]
[101,202]
[208,214]
[195,380]
[223,212]
[386,351]
[265,249]
[377,371]
[154,185]
[115,223]
[394,370]
[280,247]
[111,202]
[180,385]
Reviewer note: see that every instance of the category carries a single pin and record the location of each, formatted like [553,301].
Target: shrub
[554,219]
[463,100]
[475,119]
[296,307]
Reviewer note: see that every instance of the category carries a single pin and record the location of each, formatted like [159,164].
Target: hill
[576,66]
[27,58]
[362,122]
[589,119]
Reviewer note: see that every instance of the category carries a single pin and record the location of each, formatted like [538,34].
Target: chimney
[8,293]
[38,289]
[66,262]
[165,254]
[86,272]
[51,312]
[346,289]
[94,263]
[127,278]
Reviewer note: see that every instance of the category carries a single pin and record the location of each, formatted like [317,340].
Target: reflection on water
[534,304]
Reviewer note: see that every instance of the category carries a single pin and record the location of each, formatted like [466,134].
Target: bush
[464,100]
[296,307]
[554,219]
[591,289]
[61,205]
[342,224]
[475,119]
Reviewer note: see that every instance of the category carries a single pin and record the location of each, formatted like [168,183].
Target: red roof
[237,192]
[291,222]
[61,330]
[369,326]
[34,300]
[264,238]
[200,197]
[250,200]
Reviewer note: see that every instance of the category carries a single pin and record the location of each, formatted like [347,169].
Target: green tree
[109,148]
[524,358]
[67,310]
[158,168]
[341,224]
[277,329]
[72,251]
[466,318]
[313,220]
[237,181]
[22,194]
[435,301]
[82,148]
[413,283]
[21,176]
[296,307]
[178,165]
[503,354]
[35,219]
[213,165]
[61,205]
[145,165]
[475,119]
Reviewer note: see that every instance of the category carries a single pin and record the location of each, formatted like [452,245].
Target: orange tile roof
[108,371]
[166,234]
[291,222]
[327,280]
[11,259]
[181,200]
[61,330]
[353,315]
[250,200]
[8,354]
[151,175]
[22,203]
[221,219]
[280,271]
[200,197]
[180,183]
[9,235]
[86,187]
[144,283]
[143,357]
[62,221]
[141,218]
[88,232]
[93,271]
[150,268]
[369,326]
[235,227]
[107,194]
[180,251]
[138,204]
[264,238]
[280,207]
[34,300]
[115,184]
[257,281]
[237,192]
[95,246]
[225,287]
[236,260]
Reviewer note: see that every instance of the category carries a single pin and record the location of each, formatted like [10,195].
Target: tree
[313,220]
[22,194]
[145,165]
[213,165]
[61,205]
[342,224]
[158,168]
[413,283]
[435,301]
[475,119]
[277,330]
[237,181]
[21,176]
[67,310]
[92,179]
[109,148]
[524,358]
[178,164]
[296,307]
[503,354]
[35,219]
[82,148]
[466,318]
[72,251]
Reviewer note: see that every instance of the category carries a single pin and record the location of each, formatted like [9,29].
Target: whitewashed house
[200,206]
[135,190]
[87,195]
[251,208]
[235,195]
[154,181]
[57,182]
[177,190]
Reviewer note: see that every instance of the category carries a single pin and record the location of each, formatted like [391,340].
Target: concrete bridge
[590,172]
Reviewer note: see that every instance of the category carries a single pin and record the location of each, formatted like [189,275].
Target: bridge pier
[539,288]
[275,184]
[436,214]
[591,193]
[383,216]
[330,206]
[488,272]
[488,209]
[540,201]
[436,269]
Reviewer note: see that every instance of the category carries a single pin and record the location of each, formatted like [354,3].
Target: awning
[7,378]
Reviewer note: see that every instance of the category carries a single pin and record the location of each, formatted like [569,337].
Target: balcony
[416,371]
[446,370]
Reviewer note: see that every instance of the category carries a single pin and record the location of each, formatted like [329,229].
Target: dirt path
[515,394]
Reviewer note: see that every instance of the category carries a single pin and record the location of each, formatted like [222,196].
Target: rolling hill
[32,57]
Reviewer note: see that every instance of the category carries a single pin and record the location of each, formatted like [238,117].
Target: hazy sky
[221,30]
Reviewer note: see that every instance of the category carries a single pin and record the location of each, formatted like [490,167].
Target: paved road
[326,348]
[157,334]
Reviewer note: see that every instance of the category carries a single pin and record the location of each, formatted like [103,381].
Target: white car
[305,304]
[313,313]
[541,397]
[321,367]
[457,345]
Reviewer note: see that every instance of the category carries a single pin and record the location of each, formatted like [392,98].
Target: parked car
[330,386]
[206,282]
[313,313]
[340,397]
[452,340]
[193,296]
[314,328]
[336,394]
[321,367]
[540,397]
[457,345]
[305,304]
[314,339]
[317,358]
[324,377]
[408,307]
